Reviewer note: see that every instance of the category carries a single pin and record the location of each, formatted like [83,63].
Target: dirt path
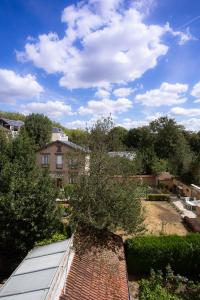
[161,217]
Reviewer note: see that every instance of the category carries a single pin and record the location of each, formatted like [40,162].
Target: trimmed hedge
[158,197]
[182,253]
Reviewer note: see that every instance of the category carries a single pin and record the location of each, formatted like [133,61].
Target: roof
[13,122]
[38,272]
[67,143]
[125,154]
[98,273]
[56,130]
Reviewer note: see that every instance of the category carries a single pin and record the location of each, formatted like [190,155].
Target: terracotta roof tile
[98,274]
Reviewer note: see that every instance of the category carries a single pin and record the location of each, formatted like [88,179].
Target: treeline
[163,145]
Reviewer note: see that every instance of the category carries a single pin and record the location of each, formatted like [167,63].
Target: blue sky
[78,60]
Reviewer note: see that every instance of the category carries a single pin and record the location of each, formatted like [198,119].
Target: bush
[155,252]
[168,287]
[157,292]
[56,237]
[193,224]
[158,197]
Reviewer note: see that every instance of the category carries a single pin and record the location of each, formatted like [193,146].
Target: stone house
[64,159]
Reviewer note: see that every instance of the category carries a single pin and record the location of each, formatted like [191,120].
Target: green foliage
[149,291]
[168,286]
[159,166]
[99,200]
[56,237]
[158,197]
[117,137]
[12,115]
[39,129]
[27,198]
[156,252]
[140,138]
[69,189]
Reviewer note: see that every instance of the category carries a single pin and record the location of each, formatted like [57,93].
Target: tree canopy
[27,197]
[39,129]
[99,200]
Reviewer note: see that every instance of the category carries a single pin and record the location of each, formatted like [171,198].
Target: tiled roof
[98,274]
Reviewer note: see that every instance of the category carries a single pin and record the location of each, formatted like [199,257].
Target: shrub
[158,197]
[56,237]
[155,252]
[147,292]
[193,224]
[168,286]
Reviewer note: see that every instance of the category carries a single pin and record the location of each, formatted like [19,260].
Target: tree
[193,139]
[99,200]
[140,138]
[27,202]
[166,132]
[39,129]
[116,137]
[159,165]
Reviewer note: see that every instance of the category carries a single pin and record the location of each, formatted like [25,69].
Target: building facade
[65,161]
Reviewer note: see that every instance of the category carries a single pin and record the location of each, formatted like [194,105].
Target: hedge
[158,197]
[182,253]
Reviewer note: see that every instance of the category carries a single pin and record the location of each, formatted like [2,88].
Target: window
[73,163]
[59,161]
[73,178]
[45,160]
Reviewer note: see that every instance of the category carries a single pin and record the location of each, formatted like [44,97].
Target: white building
[58,135]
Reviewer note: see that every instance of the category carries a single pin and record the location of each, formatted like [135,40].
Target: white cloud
[115,45]
[106,106]
[191,124]
[14,86]
[123,92]
[184,37]
[196,92]
[54,109]
[102,93]
[129,123]
[190,112]
[167,94]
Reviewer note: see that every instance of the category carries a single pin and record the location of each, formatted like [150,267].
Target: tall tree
[140,138]
[98,199]
[27,202]
[166,132]
[39,129]
[117,136]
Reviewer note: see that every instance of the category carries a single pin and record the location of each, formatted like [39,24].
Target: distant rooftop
[125,154]
[38,273]
[56,130]
[12,122]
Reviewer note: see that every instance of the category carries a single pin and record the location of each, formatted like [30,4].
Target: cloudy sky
[78,60]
